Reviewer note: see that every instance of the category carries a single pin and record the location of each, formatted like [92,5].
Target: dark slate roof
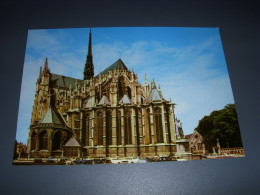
[154,96]
[52,117]
[125,100]
[73,142]
[64,82]
[118,65]
[104,100]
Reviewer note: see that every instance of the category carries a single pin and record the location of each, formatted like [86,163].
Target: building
[110,114]
[196,143]
[20,150]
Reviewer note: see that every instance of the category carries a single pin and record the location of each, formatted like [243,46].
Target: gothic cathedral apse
[107,115]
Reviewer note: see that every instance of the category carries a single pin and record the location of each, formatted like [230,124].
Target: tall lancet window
[149,124]
[118,128]
[33,141]
[128,133]
[158,125]
[109,128]
[56,141]
[43,140]
[129,92]
[87,131]
[100,128]
[53,98]
[120,88]
[77,121]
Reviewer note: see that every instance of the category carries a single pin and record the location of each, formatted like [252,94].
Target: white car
[125,160]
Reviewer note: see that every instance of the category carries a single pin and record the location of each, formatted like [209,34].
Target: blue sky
[188,63]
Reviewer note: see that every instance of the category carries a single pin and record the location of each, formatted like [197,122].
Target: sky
[188,64]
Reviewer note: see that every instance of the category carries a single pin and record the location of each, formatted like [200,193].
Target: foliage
[221,124]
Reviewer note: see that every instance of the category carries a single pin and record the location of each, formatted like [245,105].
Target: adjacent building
[196,143]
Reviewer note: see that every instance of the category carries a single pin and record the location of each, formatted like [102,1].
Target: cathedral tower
[89,67]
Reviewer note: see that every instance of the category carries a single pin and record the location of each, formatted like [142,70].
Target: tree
[221,124]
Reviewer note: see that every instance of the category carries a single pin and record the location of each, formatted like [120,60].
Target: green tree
[221,124]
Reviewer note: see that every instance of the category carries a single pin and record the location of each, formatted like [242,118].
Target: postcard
[125,95]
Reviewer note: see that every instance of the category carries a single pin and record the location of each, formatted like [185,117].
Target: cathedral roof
[104,100]
[73,142]
[154,96]
[118,65]
[52,117]
[125,100]
[64,82]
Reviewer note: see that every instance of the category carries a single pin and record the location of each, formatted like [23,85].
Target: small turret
[46,69]
[40,76]
[45,74]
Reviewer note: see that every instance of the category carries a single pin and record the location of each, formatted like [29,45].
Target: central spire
[89,67]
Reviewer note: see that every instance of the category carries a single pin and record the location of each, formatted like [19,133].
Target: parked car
[99,160]
[142,161]
[51,159]
[108,161]
[69,162]
[89,162]
[167,158]
[132,159]
[149,159]
[38,160]
[116,160]
[124,160]
[62,161]
[78,161]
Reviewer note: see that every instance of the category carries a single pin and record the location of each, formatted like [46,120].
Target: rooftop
[118,65]
[52,117]
[73,142]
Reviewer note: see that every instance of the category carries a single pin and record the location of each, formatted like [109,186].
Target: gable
[118,65]
[52,117]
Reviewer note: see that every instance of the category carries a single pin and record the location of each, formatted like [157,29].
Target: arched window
[77,121]
[108,93]
[77,124]
[149,124]
[100,128]
[129,92]
[97,95]
[128,134]
[158,125]
[109,128]
[87,131]
[140,124]
[53,97]
[43,140]
[56,141]
[33,141]
[118,127]
[120,87]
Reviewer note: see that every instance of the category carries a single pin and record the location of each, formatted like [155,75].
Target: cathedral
[107,115]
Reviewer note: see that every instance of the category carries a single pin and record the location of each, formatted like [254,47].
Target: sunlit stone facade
[109,115]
